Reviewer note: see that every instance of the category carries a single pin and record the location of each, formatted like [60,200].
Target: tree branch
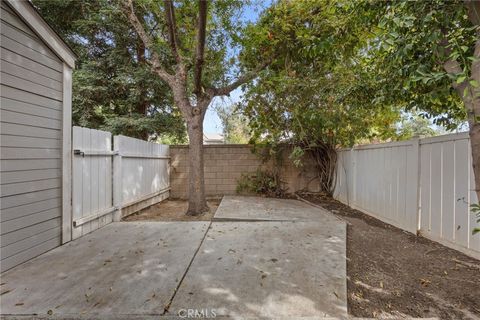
[473,11]
[172,29]
[147,41]
[224,91]
[201,32]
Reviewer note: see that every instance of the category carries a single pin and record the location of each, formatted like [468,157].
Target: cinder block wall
[224,164]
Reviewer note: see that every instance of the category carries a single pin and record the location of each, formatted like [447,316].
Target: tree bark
[474,134]
[197,203]
[473,118]
[142,105]
[471,99]
[193,115]
[472,106]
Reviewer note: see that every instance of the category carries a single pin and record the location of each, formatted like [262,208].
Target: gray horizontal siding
[12,57]
[29,175]
[26,221]
[29,153]
[10,17]
[24,233]
[26,108]
[31,253]
[29,131]
[12,189]
[28,209]
[28,40]
[30,164]
[32,76]
[22,199]
[30,143]
[30,86]
[27,119]
[27,97]
[27,243]
[27,52]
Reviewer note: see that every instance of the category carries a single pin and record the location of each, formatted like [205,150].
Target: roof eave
[30,16]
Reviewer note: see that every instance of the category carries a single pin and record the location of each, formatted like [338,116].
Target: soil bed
[394,273]
[172,210]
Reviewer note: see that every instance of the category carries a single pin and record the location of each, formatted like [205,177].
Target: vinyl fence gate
[110,181]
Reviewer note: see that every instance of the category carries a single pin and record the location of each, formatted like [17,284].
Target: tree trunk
[474,133]
[196,184]
[472,101]
[473,107]
[470,96]
[142,106]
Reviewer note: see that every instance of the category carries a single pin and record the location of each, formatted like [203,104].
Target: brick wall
[224,164]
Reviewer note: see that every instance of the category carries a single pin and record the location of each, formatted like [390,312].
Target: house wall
[224,165]
[31,116]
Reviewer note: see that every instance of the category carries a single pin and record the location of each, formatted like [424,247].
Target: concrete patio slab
[281,270]
[127,268]
[269,209]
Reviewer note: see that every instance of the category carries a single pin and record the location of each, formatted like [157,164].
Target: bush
[261,182]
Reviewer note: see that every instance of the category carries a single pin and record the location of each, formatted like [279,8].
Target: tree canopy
[326,74]
[317,90]
[413,43]
[113,87]
[345,71]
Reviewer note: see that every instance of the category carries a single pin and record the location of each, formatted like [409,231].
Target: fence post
[417,167]
[354,178]
[117,179]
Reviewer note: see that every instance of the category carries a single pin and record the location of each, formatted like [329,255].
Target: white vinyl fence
[143,171]
[109,184]
[420,185]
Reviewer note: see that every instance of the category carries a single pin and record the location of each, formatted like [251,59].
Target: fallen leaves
[425,282]
[5,292]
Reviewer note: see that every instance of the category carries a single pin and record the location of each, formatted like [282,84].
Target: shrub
[261,182]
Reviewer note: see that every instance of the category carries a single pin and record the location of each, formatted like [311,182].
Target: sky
[212,123]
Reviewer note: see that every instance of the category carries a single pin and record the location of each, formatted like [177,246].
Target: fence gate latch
[78,152]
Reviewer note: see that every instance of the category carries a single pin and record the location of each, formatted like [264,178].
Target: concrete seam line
[255,220]
[167,307]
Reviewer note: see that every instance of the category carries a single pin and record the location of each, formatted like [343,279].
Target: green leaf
[460,79]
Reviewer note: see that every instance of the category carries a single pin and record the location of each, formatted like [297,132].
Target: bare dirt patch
[395,273]
[172,210]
